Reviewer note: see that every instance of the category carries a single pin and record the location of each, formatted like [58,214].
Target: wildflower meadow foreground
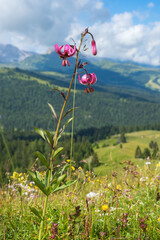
[92,208]
[64,201]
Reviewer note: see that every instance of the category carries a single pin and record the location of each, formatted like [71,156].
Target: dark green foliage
[138,153]
[152,154]
[122,137]
[154,145]
[24,98]
[146,153]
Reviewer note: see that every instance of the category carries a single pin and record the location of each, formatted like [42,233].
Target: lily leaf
[40,132]
[63,128]
[64,186]
[35,212]
[49,138]
[53,112]
[38,181]
[70,110]
[46,178]
[62,93]
[61,178]
[42,159]
[57,152]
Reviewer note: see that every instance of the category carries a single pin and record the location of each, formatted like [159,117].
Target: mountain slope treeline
[24,98]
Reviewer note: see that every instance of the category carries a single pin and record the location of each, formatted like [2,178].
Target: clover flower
[69,51]
[88,79]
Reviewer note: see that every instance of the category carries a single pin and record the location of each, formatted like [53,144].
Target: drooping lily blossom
[69,51]
[88,79]
[94,48]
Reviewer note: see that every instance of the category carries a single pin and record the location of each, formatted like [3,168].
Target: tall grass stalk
[72,133]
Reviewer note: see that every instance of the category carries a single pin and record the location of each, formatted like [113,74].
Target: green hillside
[25,94]
[138,75]
[111,153]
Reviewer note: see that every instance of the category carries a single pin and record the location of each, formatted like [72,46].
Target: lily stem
[55,138]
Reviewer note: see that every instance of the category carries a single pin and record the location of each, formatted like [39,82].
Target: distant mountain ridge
[12,54]
[109,72]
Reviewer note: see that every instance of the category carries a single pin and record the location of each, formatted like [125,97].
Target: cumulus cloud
[32,23]
[121,39]
[36,25]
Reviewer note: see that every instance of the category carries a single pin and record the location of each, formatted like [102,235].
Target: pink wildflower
[88,79]
[94,48]
[69,51]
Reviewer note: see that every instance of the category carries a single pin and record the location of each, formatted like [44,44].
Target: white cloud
[43,23]
[121,39]
[37,25]
[150,5]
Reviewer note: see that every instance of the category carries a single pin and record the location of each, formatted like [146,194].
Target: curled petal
[84,80]
[71,51]
[58,49]
[93,78]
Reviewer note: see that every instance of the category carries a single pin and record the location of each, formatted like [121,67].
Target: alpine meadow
[79,137]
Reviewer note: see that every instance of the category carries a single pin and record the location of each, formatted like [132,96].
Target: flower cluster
[124,220]
[69,51]
[142,223]
[54,230]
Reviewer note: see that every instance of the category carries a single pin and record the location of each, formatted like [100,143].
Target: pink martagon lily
[88,79]
[69,51]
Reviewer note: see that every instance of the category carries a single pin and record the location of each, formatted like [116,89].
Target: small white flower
[148,163]
[143,179]
[91,195]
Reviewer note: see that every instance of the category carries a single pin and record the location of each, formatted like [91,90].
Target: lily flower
[69,51]
[88,79]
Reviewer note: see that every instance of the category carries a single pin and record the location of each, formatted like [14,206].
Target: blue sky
[149,9]
[124,30]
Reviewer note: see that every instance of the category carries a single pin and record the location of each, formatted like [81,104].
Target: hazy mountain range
[125,93]
[12,54]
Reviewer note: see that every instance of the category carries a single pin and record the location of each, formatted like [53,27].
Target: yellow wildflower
[119,187]
[68,160]
[15,175]
[104,207]
[73,168]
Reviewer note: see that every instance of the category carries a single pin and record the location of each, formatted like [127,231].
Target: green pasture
[111,153]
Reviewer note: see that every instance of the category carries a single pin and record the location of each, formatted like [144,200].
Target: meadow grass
[124,203]
[94,208]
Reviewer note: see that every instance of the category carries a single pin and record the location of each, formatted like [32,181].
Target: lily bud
[94,48]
